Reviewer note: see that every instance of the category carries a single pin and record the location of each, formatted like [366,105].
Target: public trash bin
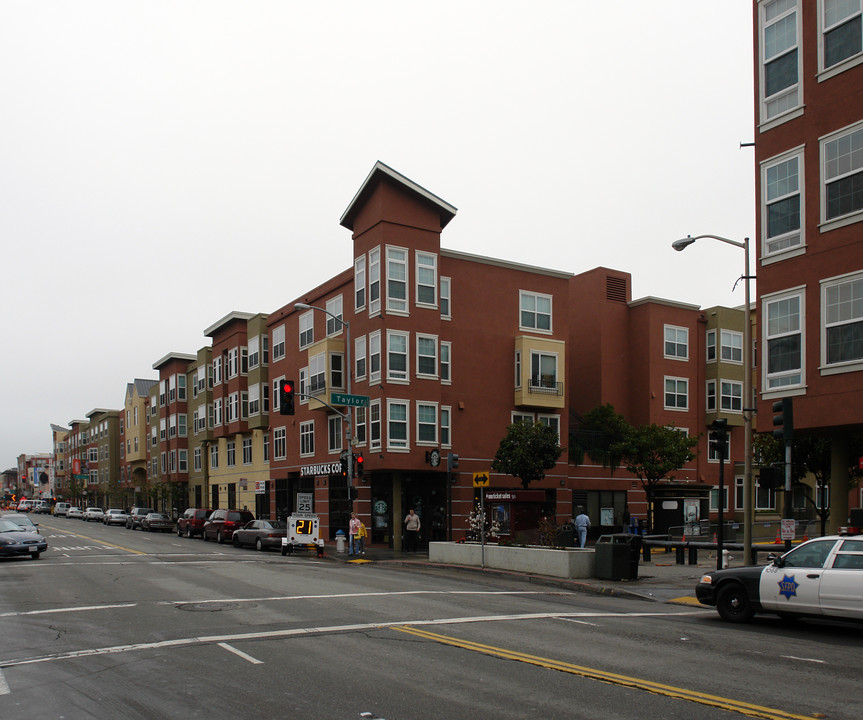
[617,556]
[340,541]
[566,536]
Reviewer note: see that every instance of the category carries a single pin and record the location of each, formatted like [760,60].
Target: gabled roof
[447,211]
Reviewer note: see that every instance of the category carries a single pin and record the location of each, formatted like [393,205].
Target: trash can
[617,557]
[340,541]
[566,536]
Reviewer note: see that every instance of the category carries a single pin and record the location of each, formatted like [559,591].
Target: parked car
[25,505]
[156,521]
[262,534]
[822,577]
[15,541]
[94,513]
[61,508]
[21,520]
[136,515]
[74,512]
[191,522]
[115,517]
[42,507]
[221,524]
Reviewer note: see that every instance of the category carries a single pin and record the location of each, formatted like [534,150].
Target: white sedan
[819,578]
[94,513]
[74,512]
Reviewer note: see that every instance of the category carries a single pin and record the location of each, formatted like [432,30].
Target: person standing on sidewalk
[582,524]
[412,530]
[353,529]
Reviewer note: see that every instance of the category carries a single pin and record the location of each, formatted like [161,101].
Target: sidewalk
[660,580]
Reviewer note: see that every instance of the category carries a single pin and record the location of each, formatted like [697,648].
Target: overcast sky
[165,163]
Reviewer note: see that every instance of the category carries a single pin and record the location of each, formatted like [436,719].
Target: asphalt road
[114,623]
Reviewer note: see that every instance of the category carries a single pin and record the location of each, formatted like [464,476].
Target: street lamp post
[347,414]
[747,387]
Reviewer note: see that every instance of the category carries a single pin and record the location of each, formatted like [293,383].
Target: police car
[822,577]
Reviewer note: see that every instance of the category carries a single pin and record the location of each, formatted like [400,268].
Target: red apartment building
[809,188]
[450,348]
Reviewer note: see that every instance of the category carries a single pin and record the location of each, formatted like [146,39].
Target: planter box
[569,563]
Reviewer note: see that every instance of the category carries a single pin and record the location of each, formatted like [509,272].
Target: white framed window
[842,322]
[375,357]
[276,394]
[841,32]
[334,324]
[445,297]
[265,454]
[731,346]
[552,421]
[711,346]
[446,426]
[426,355]
[279,342]
[197,459]
[214,456]
[254,400]
[280,446]
[253,348]
[374,281]
[307,329]
[233,407]
[182,424]
[426,283]
[217,370]
[783,334]
[519,417]
[676,393]
[334,433]
[779,26]
[233,362]
[782,207]
[714,499]
[397,355]
[427,423]
[337,370]
[360,283]
[676,342]
[397,279]
[534,311]
[247,451]
[231,453]
[360,425]
[446,362]
[181,387]
[303,387]
[375,425]
[398,416]
[360,358]
[842,177]
[711,395]
[317,374]
[731,395]
[307,438]
[543,371]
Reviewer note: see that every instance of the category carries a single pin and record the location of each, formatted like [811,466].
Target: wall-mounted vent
[615,289]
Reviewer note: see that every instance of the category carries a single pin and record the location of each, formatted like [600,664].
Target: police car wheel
[732,604]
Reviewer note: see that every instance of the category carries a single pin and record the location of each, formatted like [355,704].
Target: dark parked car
[15,541]
[263,534]
[221,524]
[136,515]
[155,521]
[191,522]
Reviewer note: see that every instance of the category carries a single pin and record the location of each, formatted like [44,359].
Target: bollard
[693,555]
[680,555]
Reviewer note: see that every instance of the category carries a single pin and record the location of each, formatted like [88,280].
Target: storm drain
[210,606]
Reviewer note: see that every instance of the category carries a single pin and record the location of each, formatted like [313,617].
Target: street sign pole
[482,525]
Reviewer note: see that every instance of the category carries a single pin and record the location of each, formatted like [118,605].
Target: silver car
[115,517]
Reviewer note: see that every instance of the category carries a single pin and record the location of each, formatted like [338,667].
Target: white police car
[822,577]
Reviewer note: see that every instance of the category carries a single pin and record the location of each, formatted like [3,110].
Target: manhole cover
[209,606]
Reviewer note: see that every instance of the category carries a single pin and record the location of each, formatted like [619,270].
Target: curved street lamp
[682,244]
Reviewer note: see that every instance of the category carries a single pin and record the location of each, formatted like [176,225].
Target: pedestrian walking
[582,524]
[412,530]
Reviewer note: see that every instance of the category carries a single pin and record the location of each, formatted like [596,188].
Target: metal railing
[538,386]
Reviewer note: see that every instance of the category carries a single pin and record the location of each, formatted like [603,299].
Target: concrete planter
[569,563]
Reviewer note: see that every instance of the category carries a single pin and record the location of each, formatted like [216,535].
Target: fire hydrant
[340,541]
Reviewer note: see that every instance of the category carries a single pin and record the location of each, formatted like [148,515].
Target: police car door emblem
[788,586]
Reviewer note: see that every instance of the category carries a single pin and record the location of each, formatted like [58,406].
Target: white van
[61,508]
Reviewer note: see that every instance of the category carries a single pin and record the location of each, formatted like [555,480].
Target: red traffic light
[287,387]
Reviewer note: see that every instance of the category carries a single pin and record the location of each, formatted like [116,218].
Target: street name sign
[351,400]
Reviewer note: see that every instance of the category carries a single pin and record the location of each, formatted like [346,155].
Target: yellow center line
[757,711]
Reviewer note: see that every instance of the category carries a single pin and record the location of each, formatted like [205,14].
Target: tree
[598,436]
[527,451]
[652,453]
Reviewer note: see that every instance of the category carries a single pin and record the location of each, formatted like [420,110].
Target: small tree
[527,451]
[652,453]
[598,436]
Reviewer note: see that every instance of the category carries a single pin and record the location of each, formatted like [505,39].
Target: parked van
[61,508]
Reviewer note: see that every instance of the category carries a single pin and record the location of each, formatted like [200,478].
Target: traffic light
[783,419]
[286,397]
[451,462]
[361,462]
[343,460]
[719,436]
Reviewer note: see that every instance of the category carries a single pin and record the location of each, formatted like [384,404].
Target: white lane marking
[812,660]
[4,686]
[241,654]
[308,631]
[580,622]
[393,593]
[69,609]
